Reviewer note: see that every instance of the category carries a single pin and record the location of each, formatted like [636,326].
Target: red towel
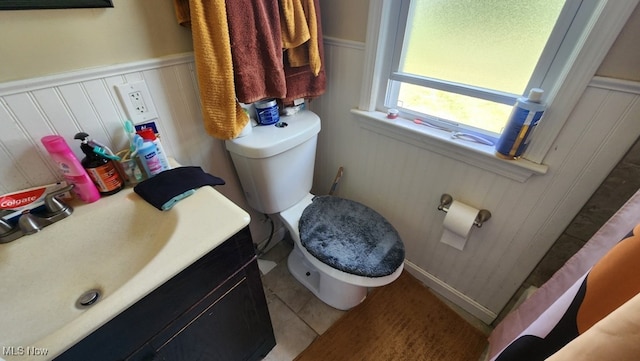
[256,49]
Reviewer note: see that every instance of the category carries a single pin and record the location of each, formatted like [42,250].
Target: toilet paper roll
[457,224]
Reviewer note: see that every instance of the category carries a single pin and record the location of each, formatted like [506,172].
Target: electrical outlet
[137,102]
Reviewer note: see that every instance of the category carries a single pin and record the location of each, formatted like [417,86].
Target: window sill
[441,142]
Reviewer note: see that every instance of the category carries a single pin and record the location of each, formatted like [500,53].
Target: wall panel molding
[93,73]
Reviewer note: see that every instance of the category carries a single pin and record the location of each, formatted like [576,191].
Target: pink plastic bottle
[71,168]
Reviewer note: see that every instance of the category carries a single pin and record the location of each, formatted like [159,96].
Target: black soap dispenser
[102,171]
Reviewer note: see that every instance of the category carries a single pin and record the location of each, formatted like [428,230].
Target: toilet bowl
[334,287]
[275,166]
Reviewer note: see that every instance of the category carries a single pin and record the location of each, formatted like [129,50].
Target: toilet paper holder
[447,199]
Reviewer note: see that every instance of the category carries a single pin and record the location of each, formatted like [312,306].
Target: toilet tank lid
[268,140]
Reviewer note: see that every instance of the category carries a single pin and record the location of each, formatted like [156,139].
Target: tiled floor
[298,317]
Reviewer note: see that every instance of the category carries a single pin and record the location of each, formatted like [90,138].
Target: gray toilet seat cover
[351,237]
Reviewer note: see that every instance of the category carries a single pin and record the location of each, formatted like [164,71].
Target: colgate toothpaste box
[13,204]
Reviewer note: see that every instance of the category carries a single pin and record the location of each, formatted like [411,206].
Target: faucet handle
[28,223]
[53,204]
[5,227]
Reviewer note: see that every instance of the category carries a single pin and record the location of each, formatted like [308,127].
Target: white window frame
[602,28]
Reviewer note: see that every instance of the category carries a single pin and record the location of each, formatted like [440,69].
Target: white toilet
[275,165]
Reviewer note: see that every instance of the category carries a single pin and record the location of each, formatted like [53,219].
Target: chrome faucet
[30,223]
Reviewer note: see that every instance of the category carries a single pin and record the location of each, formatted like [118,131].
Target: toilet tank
[275,162]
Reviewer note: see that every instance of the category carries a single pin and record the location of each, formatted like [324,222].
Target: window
[465,62]
[460,64]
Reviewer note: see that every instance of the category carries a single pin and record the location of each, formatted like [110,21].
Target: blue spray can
[524,117]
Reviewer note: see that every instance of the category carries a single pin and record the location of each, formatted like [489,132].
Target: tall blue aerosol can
[524,118]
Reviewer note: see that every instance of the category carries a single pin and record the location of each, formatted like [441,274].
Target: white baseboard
[477,310]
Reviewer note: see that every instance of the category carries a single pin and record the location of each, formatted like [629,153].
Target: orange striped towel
[222,115]
[307,53]
[293,24]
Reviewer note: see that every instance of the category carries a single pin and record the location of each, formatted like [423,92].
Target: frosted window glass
[493,44]
[474,112]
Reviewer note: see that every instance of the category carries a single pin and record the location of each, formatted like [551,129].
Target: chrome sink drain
[88,298]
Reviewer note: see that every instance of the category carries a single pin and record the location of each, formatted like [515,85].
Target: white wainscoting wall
[401,181]
[87,101]
[404,183]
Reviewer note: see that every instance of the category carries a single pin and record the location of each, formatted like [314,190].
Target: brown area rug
[400,321]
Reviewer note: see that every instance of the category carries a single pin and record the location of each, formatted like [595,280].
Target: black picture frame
[53,4]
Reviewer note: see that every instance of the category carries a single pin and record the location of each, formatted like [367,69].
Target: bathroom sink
[120,246]
[99,249]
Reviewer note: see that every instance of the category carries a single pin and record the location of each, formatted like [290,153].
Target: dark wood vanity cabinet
[213,310]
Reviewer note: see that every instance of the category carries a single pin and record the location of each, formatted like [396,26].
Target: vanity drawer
[231,323]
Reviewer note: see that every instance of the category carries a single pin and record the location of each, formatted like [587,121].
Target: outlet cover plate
[136,100]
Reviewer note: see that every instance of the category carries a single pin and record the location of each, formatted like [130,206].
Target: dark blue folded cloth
[165,189]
